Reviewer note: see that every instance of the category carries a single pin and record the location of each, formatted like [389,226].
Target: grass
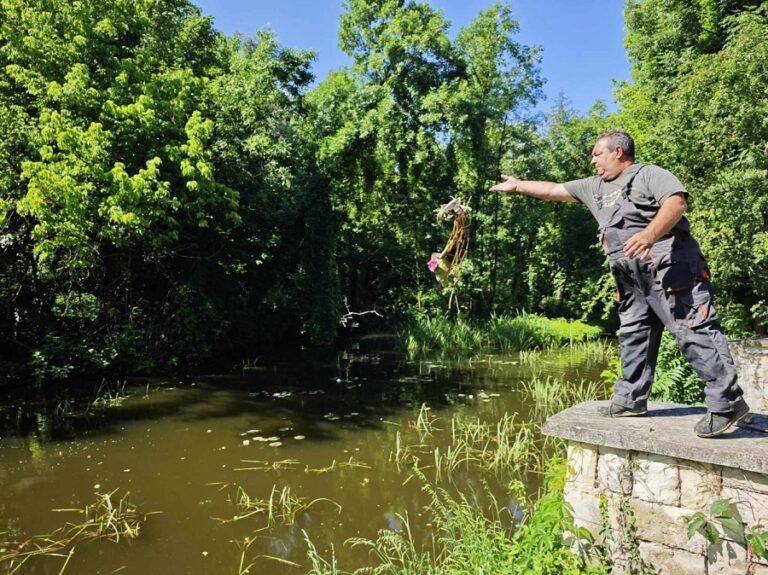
[109,517]
[470,537]
[244,568]
[468,540]
[109,395]
[552,395]
[500,333]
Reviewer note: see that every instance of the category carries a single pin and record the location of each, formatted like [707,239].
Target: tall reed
[551,395]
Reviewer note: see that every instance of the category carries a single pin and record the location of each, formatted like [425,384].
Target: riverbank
[501,333]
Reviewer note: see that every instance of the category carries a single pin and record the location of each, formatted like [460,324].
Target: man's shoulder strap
[628,186]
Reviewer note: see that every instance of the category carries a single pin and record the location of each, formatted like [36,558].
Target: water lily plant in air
[447,263]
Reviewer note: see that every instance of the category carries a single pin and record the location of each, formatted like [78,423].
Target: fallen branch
[351,314]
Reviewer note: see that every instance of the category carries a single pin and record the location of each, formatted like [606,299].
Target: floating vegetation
[350,463]
[281,505]
[109,517]
[262,439]
[280,465]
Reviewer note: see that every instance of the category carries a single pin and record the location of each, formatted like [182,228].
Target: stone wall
[751,358]
[646,497]
[635,479]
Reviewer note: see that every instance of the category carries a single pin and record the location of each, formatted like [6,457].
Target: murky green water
[182,449]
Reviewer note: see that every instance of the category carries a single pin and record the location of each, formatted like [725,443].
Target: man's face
[607,162]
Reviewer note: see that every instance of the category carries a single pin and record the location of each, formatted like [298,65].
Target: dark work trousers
[670,290]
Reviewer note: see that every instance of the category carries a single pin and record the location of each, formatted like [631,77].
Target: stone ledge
[666,430]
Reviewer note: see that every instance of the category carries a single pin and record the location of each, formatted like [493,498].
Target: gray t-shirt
[650,188]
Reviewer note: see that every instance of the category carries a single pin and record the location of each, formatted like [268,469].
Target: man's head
[614,152]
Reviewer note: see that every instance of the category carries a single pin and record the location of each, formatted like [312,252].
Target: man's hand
[668,215]
[508,184]
[639,245]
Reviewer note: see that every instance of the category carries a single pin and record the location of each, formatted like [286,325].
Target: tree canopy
[170,194]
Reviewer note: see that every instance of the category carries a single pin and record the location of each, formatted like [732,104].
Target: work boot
[616,410]
[713,424]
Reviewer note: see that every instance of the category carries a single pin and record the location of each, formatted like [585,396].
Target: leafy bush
[675,379]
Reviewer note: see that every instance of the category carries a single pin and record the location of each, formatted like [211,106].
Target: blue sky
[583,40]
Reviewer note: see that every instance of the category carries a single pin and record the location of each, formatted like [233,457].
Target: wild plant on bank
[467,540]
[551,395]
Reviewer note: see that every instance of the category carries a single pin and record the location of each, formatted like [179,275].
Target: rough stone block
[700,484]
[664,524]
[582,465]
[614,470]
[751,358]
[586,507]
[656,478]
[752,506]
[668,561]
[744,480]
[726,558]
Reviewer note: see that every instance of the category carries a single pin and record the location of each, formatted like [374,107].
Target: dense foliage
[168,193]
[698,106]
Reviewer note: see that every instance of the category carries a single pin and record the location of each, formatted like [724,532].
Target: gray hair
[618,138]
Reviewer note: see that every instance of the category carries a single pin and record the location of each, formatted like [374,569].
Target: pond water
[324,428]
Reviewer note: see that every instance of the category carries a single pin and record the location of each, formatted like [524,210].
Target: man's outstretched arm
[541,190]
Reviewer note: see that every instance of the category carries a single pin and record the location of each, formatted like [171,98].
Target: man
[661,277]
